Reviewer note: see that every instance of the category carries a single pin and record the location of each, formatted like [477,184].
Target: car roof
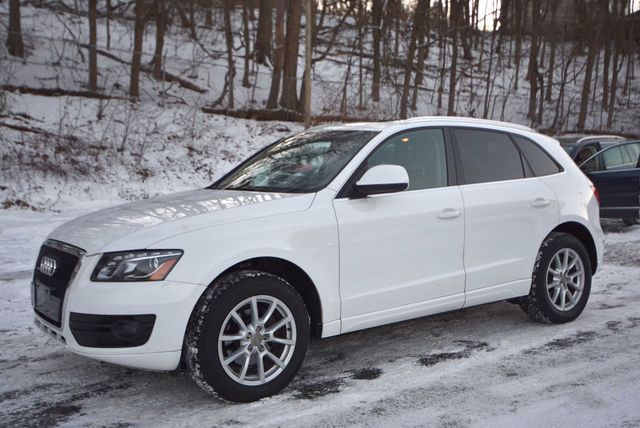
[426,120]
[571,139]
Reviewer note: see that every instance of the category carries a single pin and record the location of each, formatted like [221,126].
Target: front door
[401,253]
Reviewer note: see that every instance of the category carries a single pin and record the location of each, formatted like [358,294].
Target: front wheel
[247,337]
[561,281]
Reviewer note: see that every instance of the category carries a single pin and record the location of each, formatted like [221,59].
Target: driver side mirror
[383,179]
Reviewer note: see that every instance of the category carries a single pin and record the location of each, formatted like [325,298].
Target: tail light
[596,193]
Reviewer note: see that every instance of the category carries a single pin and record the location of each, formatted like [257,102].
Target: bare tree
[532,71]
[289,97]
[161,12]
[228,34]
[14,38]
[134,84]
[93,55]
[262,47]
[591,30]
[278,56]
[247,44]
[376,15]
[418,22]
[453,71]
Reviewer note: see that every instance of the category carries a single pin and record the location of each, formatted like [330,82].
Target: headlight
[145,265]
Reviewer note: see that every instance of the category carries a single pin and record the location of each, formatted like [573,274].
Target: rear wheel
[248,336]
[561,280]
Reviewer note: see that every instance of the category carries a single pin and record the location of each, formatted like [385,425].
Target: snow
[482,366]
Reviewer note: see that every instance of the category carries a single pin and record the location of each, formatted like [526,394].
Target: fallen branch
[167,77]
[56,92]
[283,115]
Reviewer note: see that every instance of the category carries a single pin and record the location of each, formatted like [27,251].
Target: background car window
[624,156]
[488,156]
[585,154]
[632,152]
[540,161]
[614,158]
[421,153]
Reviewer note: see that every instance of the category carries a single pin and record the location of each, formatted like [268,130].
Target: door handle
[448,213]
[540,203]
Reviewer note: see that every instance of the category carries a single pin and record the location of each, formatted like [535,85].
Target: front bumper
[170,302]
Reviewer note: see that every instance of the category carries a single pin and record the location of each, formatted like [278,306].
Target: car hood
[137,225]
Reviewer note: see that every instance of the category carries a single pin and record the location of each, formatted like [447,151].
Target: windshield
[302,163]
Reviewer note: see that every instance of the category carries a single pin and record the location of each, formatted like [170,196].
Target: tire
[546,306]
[630,221]
[206,352]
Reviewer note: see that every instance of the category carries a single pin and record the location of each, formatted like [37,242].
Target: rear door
[508,212]
[615,172]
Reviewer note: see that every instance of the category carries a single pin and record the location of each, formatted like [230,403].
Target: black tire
[631,221]
[217,302]
[538,305]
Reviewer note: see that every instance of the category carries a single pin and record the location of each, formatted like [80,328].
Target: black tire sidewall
[250,284]
[554,315]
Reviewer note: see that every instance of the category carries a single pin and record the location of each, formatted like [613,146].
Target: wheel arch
[294,275]
[583,235]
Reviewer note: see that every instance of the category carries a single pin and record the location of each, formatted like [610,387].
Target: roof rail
[466,120]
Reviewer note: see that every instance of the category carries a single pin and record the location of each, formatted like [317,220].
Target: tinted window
[488,156]
[540,161]
[624,156]
[306,162]
[421,153]
[613,158]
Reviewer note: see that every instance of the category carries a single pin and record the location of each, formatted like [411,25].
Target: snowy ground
[484,366]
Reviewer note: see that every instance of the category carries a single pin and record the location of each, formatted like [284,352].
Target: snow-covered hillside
[63,148]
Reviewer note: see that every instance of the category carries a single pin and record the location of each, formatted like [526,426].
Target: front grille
[55,267]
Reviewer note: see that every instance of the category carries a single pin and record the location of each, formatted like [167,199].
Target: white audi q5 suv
[336,229]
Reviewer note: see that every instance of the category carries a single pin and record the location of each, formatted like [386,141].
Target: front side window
[488,156]
[541,163]
[302,163]
[420,152]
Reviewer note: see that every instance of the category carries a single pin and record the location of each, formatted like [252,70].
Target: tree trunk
[376,16]
[278,56]
[228,34]
[262,47]
[14,38]
[247,44]
[420,12]
[463,22]
[586,86]
[518,49]
[108,21]
[454,58]
[161,11]
[134,88]
[423,52]
[552,53]
[532,71]
[93,55]
[289,97]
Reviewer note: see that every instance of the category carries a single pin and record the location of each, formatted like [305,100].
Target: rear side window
[541,163]
[488,156]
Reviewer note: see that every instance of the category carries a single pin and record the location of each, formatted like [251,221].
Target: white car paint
[372,261]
